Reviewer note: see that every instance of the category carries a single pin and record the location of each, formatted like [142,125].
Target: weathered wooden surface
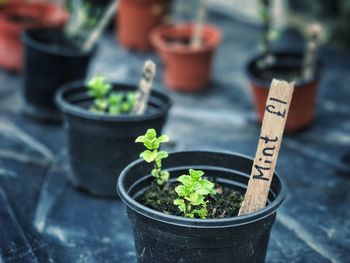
[56,223]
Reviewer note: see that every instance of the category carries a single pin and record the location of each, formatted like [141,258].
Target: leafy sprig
[106,101]
[192,193]
[153,154]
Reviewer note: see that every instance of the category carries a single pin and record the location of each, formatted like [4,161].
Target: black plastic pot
[101,145]
[165,238]
[47,67]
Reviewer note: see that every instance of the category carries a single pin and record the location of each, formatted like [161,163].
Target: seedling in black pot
[102,129]
[192,216]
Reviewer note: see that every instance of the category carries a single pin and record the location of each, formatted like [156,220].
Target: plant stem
[266,17]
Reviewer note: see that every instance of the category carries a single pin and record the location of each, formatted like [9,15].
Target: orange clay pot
[186,68]
[302,108]
[137,18]
[16,17]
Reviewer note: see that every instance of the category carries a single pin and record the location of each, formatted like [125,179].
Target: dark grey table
[43,219]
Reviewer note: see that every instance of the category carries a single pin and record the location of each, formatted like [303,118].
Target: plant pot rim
[158,33]
[47,48]
[198,223]
[12,9]
[74,110]
[281,53]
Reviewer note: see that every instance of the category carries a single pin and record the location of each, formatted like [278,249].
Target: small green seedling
[106,101]
[192,193]
[153,154]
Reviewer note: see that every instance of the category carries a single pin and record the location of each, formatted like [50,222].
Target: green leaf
[202,191]
[101,105]
[98,87]
[151,134]
[162,155]
[148,144]
[155,144]
[114,110]
[115,99]
[181,190]
[196,174]
[163,138]
[126,107]
[140,139]
[195,199]
[180,204]
[164,175]
[202,213]
[148,156]
[184,179]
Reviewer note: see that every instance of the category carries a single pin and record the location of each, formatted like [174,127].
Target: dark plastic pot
[163,238]
[47,67]
[301,111]
[100,145]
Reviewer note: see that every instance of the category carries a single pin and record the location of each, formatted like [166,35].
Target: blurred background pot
[161,237]
[102,145]
[50,61]
[18,16]
[288,66]
[186,68]
[137,18]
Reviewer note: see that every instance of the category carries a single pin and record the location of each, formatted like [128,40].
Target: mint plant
[106,101]
[192,193]
[152,154]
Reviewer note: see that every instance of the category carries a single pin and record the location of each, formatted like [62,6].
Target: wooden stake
[145,86]
[311,51]
[95,34]
[197,39]
[273,124]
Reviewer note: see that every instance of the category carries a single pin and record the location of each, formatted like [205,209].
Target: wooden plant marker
[96,32]
[145,86]
[309,63]
[276,112]
[197,40]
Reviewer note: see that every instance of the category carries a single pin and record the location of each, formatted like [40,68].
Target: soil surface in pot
[18,19]
[225,203]
[269,72]
[59,41]
[183,42]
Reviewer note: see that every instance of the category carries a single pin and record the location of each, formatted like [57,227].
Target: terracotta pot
[137,18]
[14,18]
[186,68]
[301,112]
